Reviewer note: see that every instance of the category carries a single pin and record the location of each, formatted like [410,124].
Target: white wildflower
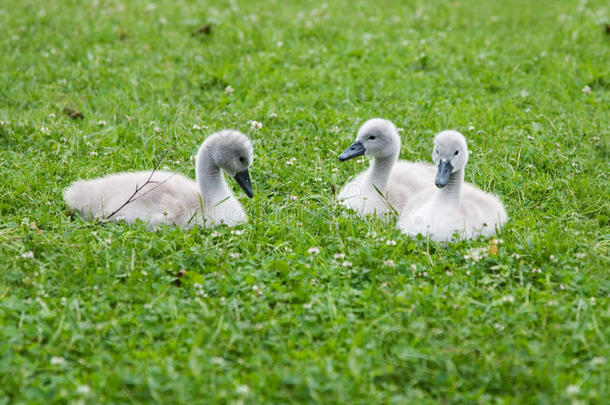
[293,198]
[471,128]
[508,298]
[287,249]
[279,44]
[196,127]
[573,389]
[581,255]
[45,130]
[476,254]
[553,258]
[389,263]
[83,389]
[157,130]
[101,123]
[151,7]
[93,153]
[339,256]
[390,242]
[163,21]
[28,255]
[313,250]
[57,360]
[52,115]
[499,327]
[346,264]
[586,90]
[536,271]
[255,124]
[234,255]
[273,115]
[229,90]
[237,232]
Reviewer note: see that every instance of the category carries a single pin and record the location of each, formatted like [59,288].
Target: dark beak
[443,174]
[243,179]
[357,149]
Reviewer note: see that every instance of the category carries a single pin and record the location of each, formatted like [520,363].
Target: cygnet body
[387,181]
[454,208]
[170,198]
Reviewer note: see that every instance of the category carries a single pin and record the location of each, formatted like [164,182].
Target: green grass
[94,316]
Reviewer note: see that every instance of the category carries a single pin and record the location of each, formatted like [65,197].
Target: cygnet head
[377,138]
[450,154]
[231,151]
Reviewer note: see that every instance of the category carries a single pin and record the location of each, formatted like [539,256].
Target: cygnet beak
[444,173]
[243,179]
[355,150]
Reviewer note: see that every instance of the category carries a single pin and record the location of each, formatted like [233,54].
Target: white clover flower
[45,130]
[287,249]
[573,389]
[293,198]
[400,129]
[581,255]
[335,129]
[28,255]
[93,153]
[157,130]
[229,90]
[389,263]
[346,264]
[163,21]
[586,90]
[279,44]
[476,254]
[234,255]
[196,127]
[313,250]
[553,258]
[52,115]
[390,242]
[499,327]
[536,271]
[471,128]
[101,123]
[413,267]
[508,298]
[339,256]
[83,389]
[237,232]
[273,115]
[255,124]
[151,7]
[57,360]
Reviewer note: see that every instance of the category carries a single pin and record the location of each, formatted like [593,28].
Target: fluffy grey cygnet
[387,180]
[455,207]
[171,198]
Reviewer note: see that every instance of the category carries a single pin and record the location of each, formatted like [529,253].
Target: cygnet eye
[372,137]
[241,159]
[456,152]
[437,151]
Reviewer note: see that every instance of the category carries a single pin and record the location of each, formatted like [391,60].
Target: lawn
[307,303]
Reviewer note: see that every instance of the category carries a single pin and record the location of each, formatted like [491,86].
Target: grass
[93,315]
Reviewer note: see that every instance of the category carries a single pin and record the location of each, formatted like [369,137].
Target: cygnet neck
[210,180]
[380,170]
[452,191]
